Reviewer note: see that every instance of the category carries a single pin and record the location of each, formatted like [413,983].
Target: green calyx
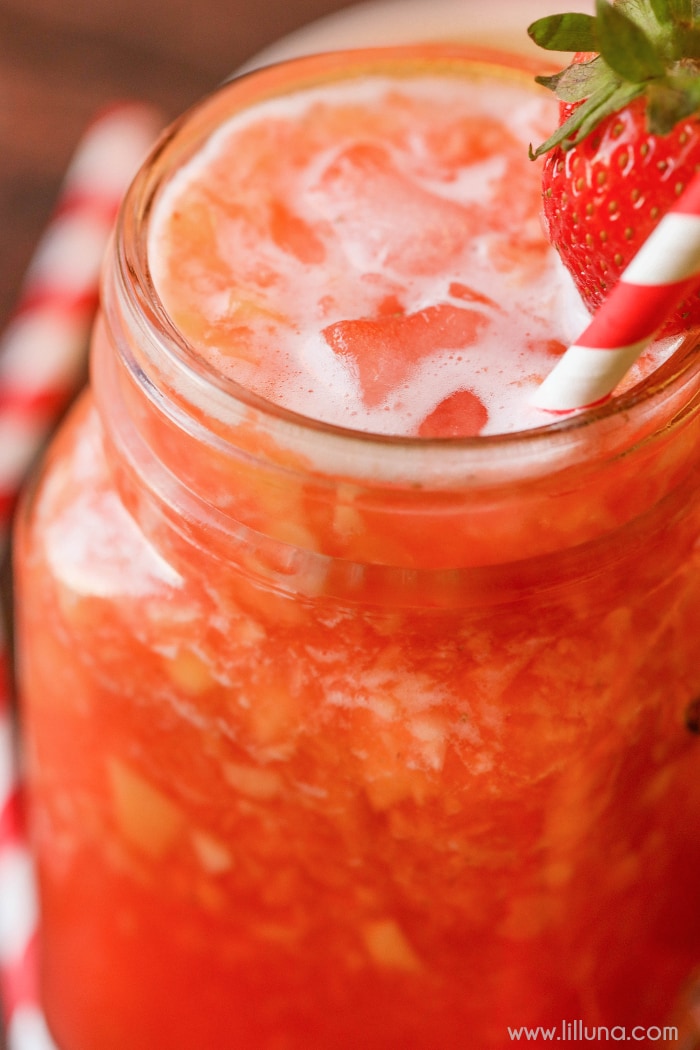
[647,48]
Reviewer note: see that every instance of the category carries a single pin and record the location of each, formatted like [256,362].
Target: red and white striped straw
[42,365]
[662,273]
[43,350]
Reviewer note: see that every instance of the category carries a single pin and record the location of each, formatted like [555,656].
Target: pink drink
[341,738]
[371,254]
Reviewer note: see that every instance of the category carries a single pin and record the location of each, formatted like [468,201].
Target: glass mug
[337,739]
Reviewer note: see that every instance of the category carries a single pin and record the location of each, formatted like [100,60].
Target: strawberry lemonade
[361,701]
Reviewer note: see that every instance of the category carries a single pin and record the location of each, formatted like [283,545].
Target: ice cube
[386,349]
[385,219]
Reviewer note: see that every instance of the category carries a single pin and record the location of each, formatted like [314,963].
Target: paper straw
[42,365]
[43,351]
[664,271]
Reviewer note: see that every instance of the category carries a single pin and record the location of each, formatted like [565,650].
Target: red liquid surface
[365,252]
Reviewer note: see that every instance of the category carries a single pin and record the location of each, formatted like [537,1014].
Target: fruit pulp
[370,253]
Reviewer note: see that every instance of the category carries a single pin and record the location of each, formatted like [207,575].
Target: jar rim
[400,456]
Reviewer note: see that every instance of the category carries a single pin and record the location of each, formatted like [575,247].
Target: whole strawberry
[629,136]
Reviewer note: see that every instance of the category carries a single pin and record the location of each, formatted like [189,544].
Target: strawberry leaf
[645,48]
[605,101]
[566,134]
[689,44]
[669,101]
[681,11]
[625,46]
[650,15]
[570,32]
[661,10]
[579,81]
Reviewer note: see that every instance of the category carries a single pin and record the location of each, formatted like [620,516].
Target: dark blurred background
[61,60]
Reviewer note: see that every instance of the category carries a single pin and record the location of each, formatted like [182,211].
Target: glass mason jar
[338,739]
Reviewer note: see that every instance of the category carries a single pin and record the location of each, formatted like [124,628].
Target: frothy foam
[365,252]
